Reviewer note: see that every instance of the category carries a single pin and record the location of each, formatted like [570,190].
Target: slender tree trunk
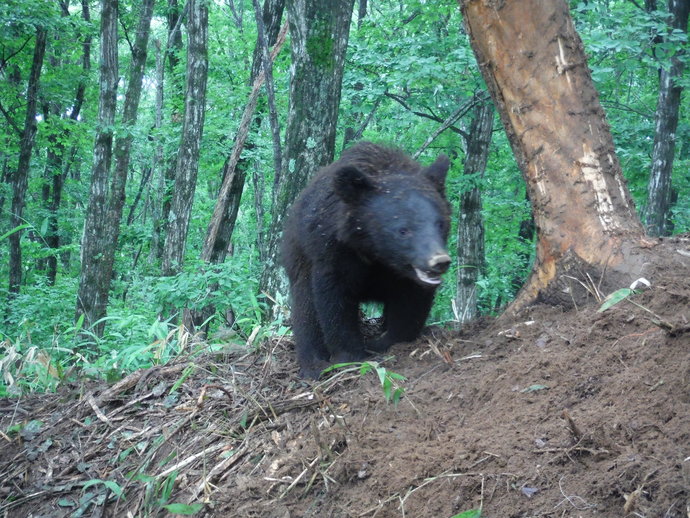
[534,65]
[470,221]
[157,167]
[315,88]
[659,189]
[267,67]
[89,302]
[272,16]
[52,194]
[361,12]
[143,183]
[56,169]
[173,49]
[192,130]
[21,175]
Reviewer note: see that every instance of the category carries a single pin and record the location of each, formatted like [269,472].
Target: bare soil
[554,413]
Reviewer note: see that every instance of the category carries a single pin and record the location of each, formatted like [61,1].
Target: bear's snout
[439,263]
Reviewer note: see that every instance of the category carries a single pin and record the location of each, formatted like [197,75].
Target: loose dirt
[553,413]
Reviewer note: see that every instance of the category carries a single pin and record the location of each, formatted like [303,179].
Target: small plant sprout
[392,390]
[622,294]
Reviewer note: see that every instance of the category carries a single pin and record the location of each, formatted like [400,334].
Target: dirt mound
[556,413]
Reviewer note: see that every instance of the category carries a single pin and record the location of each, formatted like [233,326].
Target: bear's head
[398,218]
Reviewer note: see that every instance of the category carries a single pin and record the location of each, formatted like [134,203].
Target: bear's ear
[437,171]
[350,183]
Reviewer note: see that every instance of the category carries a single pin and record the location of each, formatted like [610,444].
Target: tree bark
[534,65]
[318,37]
[173,48]
[659,189]
[122,152]
[21,175]
[470,221]
[192,130]
[267,67]
[98,251]
[89,303]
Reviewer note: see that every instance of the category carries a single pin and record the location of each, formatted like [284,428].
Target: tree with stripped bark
[535,67]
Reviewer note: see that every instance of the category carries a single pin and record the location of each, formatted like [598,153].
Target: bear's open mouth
[427,278]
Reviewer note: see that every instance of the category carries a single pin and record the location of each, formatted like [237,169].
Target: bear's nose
[439,263]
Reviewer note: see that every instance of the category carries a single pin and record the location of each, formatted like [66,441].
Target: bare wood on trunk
[534,65]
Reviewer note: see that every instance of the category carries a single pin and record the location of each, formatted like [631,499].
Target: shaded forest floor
[555,413]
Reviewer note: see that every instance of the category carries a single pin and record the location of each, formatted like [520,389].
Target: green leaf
[614,298]
[534,388]
[187,509]
[110,484]
[15,229]
[185,374]
[472,513]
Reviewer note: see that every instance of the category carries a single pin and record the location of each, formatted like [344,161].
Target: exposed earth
[557,412]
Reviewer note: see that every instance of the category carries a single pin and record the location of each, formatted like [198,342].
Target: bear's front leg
[405,311]
[337,308]
[312,355]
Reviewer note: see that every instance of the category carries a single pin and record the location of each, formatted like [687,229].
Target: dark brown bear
[372,226]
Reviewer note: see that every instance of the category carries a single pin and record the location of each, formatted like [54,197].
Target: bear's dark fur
[372,226]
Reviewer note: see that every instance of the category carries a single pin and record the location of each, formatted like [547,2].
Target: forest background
[409,78]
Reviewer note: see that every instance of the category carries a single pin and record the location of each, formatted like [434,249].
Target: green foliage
[110,484]
[472,513]
[184,509]
[614,298]
[158,493]
[389,380]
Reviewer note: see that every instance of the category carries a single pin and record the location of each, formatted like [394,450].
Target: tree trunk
[21,175]
[173,49]
[318,37]
[534,65]
[157,167]
[272,15]
[56,170]
[89,302]
[659,189]
[267,67]
[470,221]
[192,130]
[122,152]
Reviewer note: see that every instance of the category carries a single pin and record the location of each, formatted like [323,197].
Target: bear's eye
[441,225]
[404,232]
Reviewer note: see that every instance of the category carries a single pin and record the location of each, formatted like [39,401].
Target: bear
[370,227]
